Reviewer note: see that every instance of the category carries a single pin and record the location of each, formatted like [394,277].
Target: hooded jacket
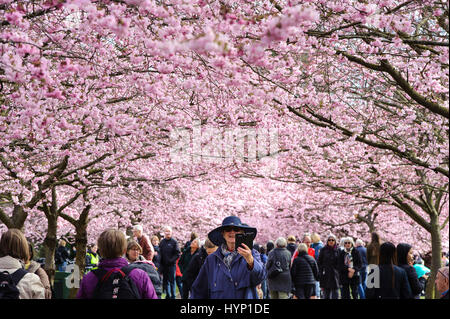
[216,281]
[402,261]
[35,268]
[140,277]
[30,286]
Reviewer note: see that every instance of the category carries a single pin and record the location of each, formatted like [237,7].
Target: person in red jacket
[147,248]
[307,242]
[178,276]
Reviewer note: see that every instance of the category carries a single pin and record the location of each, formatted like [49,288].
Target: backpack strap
[18,275]
[126,270]
[103,275]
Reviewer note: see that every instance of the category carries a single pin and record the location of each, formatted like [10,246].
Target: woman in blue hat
[230,272]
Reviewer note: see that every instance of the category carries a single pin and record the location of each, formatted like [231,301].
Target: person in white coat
[14,252]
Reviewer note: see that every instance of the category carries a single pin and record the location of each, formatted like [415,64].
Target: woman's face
[194,245]
[133,254]
[410,257]
[229,234]
[347,244]
[155,242]
[331,242]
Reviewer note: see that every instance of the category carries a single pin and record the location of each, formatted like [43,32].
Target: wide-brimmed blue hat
[216,235]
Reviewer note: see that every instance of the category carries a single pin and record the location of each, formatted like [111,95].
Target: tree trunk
[436,250]
[80,258]
[50,243]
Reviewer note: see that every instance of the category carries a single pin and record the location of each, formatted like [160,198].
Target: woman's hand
[246,252]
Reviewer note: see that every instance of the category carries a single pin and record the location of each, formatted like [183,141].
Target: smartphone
[246,238]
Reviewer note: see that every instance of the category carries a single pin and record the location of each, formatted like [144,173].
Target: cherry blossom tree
[91,92]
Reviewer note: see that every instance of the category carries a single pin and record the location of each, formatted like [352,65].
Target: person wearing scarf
[230,272]
[349,264]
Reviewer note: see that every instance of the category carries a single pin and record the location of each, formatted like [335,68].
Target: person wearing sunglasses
[328,273]
[349,264]
[230,272]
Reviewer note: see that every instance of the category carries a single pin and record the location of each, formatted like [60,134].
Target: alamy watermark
[373,276]
[207,144]
[73,280]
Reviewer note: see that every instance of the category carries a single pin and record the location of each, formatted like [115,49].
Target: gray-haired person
[170,252]
[278,270]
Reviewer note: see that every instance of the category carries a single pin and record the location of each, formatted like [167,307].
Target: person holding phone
[231,272]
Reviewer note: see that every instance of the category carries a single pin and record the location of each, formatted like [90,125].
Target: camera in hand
[246,238]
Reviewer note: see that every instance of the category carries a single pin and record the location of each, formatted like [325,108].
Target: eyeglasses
[231,228]
[331,239]
[135,249]
[347,242]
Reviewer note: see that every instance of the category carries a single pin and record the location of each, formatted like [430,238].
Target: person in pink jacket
[112,245]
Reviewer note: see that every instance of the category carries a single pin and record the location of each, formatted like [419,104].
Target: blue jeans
[362,285]
[169,281]
[318,296]
[265,289]
[62,267]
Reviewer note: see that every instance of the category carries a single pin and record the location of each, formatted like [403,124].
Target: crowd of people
[143,267]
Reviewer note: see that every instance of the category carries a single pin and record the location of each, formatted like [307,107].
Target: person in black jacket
[280,285]
[169,251]
[136,260]
[391,282]
[291,245]
[349,264]
[197,261]
[304,274]
[405,260]
[61,256]
[359,245]
[156,257]
[328,273]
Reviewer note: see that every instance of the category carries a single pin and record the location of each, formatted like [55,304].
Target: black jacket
[414,282]
[292,247]
[152,273]
[363,252]
[61,255]
[169,252]
[304,270]
[281,282]
[343,269]
[389,287]
[191,273]
[328,273]
[157,258]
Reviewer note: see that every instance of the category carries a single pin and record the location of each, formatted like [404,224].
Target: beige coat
[35,268]
[30,286]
